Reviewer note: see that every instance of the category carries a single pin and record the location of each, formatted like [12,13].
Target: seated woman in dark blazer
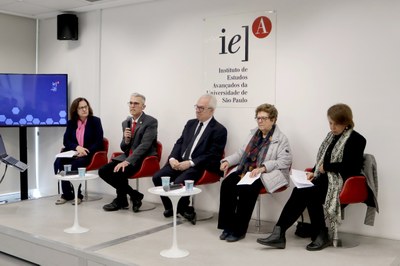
[339,157]
[84,134]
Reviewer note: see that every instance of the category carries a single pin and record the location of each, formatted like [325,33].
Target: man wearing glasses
[200,147]
[139,140]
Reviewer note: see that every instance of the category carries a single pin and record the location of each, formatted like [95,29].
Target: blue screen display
[31,100]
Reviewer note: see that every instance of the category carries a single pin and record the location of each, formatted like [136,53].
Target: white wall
[17,55]
[327,52]
[80,60]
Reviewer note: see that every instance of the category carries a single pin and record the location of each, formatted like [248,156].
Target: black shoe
[136,203]
[277,239]
[224,234]
[114,206]
[168,213]
[322,241]
[190,215]
[233,238]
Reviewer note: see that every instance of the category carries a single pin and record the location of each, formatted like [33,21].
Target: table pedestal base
[76,229]
[174,253]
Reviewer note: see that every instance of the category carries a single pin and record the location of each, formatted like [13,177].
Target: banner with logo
[239,58]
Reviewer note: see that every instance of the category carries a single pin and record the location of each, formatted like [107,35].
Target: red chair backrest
[106,144]
[150,164]
[354,189]
[99,158]
[159,150]
[208,178]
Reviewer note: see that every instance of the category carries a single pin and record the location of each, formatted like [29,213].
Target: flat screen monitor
[33,100]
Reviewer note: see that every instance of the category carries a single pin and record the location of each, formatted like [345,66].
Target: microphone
[129,124]
[172,187]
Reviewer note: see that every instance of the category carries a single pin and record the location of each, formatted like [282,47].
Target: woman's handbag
[303,229]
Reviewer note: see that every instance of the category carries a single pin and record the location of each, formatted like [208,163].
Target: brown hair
[73,110]
[341,113]
[269,109]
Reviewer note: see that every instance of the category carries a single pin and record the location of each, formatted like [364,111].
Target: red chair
[354,190]
[98,160]
[258,209]
[207,178]
[150,165]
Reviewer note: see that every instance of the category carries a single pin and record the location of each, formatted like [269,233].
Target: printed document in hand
[299,179]
[67,154]
[247,180]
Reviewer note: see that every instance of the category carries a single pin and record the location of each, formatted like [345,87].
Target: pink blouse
[80,132]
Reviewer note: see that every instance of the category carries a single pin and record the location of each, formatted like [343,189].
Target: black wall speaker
[67,27]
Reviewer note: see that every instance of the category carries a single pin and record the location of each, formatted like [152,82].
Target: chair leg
[258,217]
[348,241]
[87,197]
[258,227]
[336,241]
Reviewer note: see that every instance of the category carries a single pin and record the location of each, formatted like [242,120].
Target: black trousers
[66,186]
[178,177]
[120,180]
[237,204]
[311,198]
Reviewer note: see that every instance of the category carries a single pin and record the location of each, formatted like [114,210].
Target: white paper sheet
[299,179]
[247,180]
[67,154]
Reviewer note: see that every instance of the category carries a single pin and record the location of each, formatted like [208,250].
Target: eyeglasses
[262,118]
[83,108]
[200,108]
[133,103]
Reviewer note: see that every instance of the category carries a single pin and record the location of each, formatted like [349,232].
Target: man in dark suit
[139,141]
[200,147]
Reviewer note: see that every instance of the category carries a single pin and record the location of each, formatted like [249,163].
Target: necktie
[132,132]
[133,129]
[190,145]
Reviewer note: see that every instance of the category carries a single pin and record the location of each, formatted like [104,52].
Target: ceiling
[39,9]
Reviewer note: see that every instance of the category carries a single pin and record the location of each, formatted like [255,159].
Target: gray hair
[135,94]
[212,100]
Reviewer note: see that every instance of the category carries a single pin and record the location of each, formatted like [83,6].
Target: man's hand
[120,166]
[127,135]
[174,163]
[184,165]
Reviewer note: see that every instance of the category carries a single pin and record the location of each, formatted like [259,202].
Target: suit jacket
[143,142]
[92,139]
[210,148]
